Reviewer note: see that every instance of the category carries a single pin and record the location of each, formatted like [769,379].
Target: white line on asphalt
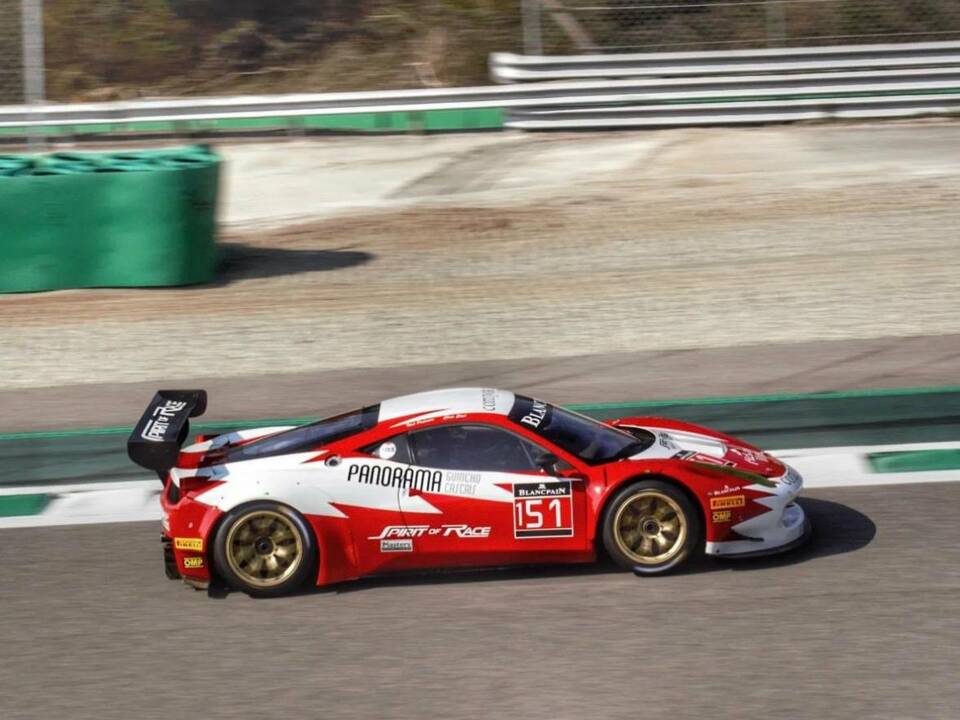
[137,499]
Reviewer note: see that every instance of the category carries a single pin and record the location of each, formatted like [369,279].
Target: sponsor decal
[188,544]
[751,457]
[463,531]
[724,490]
[488,398]
[394,546]
[396,476]
[400,531]
[722,516]
[706,459]
[732,501]
[536,415]
[416,531]
[668,442]
[156,429]
[387,450]
[792,477]
[544,489]
[543,510]
[193,562]
[458,482]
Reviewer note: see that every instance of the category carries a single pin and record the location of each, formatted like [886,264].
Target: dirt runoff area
[395,251]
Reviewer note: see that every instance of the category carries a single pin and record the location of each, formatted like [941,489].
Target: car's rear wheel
[264,549]
[651,527]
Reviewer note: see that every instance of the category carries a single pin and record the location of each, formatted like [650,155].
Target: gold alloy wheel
[264,548]
[650,528]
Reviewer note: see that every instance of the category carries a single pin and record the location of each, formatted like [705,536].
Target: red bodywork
[479,532]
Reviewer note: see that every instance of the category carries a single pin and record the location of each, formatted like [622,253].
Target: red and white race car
[454,478]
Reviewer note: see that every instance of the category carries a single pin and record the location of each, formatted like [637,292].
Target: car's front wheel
[651,527]
[264,549]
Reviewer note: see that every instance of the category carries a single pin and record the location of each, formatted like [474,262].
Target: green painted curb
[18,505]
[408,121]
[914,461]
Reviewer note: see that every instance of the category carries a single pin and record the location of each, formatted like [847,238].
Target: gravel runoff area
[422,250]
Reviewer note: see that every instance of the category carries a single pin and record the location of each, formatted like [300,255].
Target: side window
[396,449]
[473,447]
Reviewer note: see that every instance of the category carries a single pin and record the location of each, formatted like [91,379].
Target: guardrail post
[776,23]
[31,18]
[532,28]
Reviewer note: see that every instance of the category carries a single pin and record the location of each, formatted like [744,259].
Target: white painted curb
[137,499]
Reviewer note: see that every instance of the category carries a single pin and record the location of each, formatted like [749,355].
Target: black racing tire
[651,527]
[264,549]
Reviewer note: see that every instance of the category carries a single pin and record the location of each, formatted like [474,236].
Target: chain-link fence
[119,49]
[571,26]
[11,53]
[78,50]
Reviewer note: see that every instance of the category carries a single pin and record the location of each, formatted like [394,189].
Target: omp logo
[722,516]
[156,429]
[193,562]
[734,501]
[188,544]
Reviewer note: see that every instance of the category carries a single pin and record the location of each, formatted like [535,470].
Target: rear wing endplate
[156,439]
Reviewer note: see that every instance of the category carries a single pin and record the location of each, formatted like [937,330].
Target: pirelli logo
[732,501]
[188,544]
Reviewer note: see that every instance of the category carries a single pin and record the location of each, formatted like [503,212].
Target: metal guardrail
[519,96]
[735,113]
[744,86]
[509,67]
[743,95]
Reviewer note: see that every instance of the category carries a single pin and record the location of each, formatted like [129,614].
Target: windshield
[590,440]
[307,437]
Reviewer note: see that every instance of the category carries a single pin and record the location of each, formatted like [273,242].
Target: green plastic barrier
[125,219]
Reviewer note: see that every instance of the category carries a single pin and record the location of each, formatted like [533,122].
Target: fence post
[34,81]
[776,23]
[532,28]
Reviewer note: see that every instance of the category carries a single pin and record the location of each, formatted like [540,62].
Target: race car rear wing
[156,439]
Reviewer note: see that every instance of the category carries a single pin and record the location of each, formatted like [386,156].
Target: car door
[494,504]
[372,480]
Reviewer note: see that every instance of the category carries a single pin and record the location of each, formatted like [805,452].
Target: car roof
[449,401]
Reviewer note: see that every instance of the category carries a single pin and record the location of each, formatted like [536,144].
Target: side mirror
[548,463]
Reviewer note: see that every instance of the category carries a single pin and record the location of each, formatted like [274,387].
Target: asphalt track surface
[861,623]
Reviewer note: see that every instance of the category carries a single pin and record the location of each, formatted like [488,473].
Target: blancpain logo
[156,429]
[536,415]
[550,489]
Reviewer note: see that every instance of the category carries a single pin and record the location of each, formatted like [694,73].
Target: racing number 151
[543,514]
[530,513]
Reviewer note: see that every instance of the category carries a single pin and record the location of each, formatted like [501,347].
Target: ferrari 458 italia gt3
[466,477]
